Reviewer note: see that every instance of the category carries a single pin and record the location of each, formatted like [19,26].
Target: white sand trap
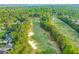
[30,34]
[32,44]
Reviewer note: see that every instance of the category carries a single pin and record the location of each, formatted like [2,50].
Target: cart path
[51,40]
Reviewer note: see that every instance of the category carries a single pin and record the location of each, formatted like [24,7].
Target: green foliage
[70,22]
[20,40]
[16,22]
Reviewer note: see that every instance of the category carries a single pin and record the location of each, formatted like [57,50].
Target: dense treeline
[69,15]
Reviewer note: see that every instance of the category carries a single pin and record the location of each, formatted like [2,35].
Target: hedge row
[70,22]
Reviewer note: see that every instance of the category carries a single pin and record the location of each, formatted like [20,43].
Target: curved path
[53,43]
